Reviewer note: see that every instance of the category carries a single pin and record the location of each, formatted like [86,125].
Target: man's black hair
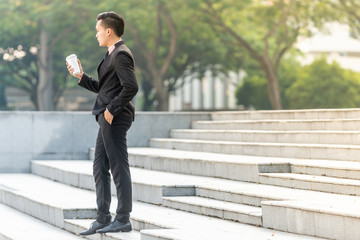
[112,20]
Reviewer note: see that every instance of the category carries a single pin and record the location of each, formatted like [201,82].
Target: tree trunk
[45,87]
[148,101]
[3,102]
[163,101]
[162,92]
[272,84]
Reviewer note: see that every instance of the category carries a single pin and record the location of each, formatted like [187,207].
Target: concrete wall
[26,136]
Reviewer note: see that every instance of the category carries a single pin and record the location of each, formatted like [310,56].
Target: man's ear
[108,31]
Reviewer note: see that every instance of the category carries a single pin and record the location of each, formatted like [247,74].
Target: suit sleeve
[89,83]
[124,67]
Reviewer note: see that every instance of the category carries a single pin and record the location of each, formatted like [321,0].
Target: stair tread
[38,189]
[356,147]
[205,156]
[242,159]
[216,204]
[346,209]
[344,165]
[247,234]
[16,225]
[264,131]
[313,178]
[277,120]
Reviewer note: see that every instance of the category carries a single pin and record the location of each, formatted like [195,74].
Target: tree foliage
[324,85]
[267,30]
[40,69]
[170,40]
[252,92]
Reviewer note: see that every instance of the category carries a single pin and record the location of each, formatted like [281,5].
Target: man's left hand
[108,116]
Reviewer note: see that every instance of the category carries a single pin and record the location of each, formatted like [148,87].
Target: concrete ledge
[27,136]
[334,220]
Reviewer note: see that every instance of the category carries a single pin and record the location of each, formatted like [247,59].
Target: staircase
[242,175]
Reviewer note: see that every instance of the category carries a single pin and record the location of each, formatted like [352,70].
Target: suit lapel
[103,66]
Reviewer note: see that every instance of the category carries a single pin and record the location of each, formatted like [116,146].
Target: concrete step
[227,166]
[287,114]
[236,167]
[214,188]
[308,137]
[284,150]
[209,207]
[281,125]
[15,225]
[22,191]
[311,182]
[328,218]
[338,169]
[229,191]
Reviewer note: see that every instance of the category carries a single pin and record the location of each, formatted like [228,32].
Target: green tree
[168,41]
[49,27]
[324,85]
[252,91]
[267,30]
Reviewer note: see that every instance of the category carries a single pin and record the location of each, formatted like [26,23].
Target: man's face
[101,34]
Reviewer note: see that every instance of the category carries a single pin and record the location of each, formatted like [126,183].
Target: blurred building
[337,43]
[208,93]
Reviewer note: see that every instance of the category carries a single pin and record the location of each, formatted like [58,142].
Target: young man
[114,113]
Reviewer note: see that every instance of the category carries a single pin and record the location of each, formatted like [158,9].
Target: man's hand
[71,70]
[108,116]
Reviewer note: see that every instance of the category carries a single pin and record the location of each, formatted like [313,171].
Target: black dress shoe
[116,226]
[93,227]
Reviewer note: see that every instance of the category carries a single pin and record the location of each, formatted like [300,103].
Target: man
[114,113]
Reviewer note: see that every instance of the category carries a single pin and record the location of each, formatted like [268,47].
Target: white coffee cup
[72,60]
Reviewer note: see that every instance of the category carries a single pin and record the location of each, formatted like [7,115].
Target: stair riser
[330,172]
[213,212]
[302,114]
[318,224]
[240,172]
[347,125]
[314,186]
[285,137]
[305,152]
[75,179]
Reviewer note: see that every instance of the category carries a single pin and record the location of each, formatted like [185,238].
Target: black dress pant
[111,154]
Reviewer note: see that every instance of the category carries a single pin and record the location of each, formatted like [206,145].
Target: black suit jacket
[117,84]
